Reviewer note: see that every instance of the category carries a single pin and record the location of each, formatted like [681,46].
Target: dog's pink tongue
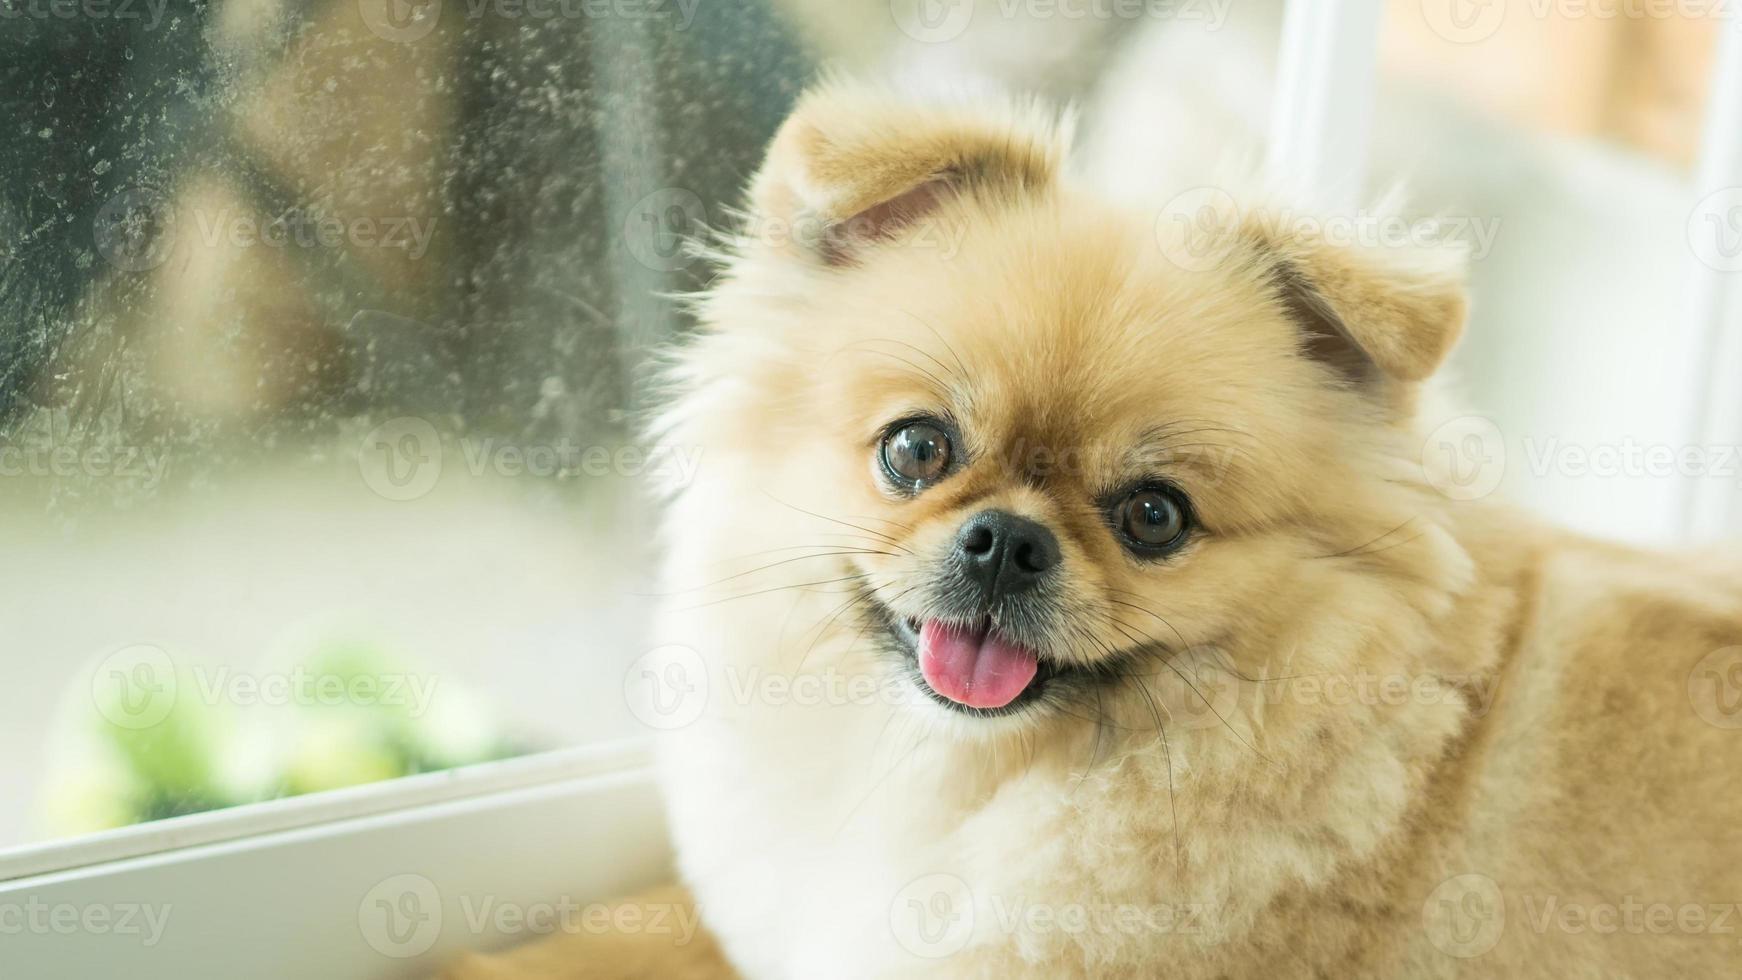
[974,666]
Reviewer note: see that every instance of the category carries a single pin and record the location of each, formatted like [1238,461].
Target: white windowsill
[234,823]
[384,882]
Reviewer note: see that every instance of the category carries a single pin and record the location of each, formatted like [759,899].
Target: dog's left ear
[853,167]
[1371,311]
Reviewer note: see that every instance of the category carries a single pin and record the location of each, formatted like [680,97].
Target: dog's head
[1038,445]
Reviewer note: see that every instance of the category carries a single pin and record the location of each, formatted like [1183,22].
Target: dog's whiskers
[1360,550]
[1167,758]
[890,540]
[1138,636]
[861,597]
[842,552]
[858,576]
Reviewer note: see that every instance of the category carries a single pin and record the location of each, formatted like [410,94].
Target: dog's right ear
[854,167]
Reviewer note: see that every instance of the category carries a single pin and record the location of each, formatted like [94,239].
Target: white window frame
[381,881]
[295,888]
[1713,509]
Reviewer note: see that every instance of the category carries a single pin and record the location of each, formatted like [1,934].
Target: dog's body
[1340,724]
[1591,783]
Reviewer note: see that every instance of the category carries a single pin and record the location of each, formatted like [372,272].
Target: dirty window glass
[324,328]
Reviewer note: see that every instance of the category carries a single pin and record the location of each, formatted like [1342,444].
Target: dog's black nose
[1005,554]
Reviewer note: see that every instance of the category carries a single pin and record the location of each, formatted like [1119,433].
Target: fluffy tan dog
[1072,596]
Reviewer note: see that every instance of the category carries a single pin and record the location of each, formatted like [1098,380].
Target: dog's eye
[1153,519]
[916,452]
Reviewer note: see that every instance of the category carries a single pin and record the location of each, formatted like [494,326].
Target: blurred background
[325,325]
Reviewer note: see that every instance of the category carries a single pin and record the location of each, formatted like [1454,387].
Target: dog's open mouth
[972,666]
[977,665]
